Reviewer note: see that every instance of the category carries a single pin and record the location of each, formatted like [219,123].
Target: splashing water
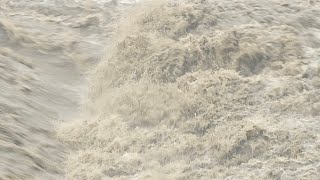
[184,89]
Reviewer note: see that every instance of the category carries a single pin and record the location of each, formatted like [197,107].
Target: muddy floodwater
[150,89]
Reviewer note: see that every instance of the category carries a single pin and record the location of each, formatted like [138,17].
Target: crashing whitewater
[204,90]
[175,89]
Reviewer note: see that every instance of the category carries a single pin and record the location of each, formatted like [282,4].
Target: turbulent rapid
[179,89]
[46,48]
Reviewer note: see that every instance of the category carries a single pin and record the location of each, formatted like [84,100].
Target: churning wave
[204,90]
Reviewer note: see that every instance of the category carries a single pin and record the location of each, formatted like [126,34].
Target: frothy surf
[204,90]
[195,89]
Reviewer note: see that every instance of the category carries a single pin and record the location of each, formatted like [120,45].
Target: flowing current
[151,89]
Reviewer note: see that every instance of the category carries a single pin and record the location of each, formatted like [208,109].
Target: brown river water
[179,89]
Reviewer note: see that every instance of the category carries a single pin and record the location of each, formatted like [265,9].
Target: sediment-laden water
[195,89]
